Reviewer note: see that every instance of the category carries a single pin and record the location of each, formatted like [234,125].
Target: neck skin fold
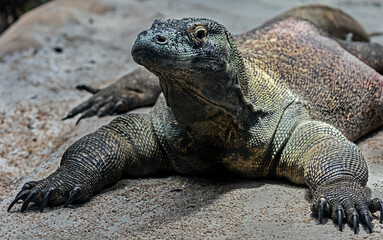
[210,106]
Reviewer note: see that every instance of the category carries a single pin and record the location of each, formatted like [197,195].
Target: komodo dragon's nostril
[144,33]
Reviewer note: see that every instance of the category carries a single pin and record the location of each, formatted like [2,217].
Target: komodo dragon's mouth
[149,58]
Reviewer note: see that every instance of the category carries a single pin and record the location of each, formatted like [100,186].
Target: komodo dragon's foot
[136,89]
[61,187]
[106,101]
[345,199]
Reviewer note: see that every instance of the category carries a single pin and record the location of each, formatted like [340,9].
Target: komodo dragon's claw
[27,201]
[368,222]
[22,194]
[376,204]
[339,212]
[73,195]
[87,88]
[46,199]
[355,223]
[381,211]
[321,209]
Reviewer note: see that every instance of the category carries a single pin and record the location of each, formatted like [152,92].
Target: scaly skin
[334,21]
[369,53]
[265,105]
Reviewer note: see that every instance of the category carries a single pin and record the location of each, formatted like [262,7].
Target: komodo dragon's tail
[375,34]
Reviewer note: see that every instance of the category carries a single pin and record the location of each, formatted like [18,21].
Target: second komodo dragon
[283,100]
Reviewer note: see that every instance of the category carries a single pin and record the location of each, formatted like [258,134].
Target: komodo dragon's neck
[203,112]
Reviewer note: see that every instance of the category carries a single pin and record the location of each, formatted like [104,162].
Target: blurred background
[11,10]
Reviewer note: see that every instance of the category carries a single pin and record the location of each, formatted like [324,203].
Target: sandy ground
[67,42]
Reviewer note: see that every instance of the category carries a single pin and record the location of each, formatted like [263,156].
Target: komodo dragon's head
[197,62]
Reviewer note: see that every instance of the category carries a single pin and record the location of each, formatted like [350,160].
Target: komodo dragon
[283,100]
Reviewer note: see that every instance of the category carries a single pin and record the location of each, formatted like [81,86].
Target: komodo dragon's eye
[198,32]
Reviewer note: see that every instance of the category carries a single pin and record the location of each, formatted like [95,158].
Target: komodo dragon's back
[337,87]
[334,21]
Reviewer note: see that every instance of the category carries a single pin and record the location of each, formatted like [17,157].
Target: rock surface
[64,43]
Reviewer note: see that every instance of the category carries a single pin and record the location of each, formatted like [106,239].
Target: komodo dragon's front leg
[335,171]
[125,147]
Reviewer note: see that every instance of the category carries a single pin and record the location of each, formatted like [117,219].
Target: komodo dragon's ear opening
[235,54]
[230,40]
